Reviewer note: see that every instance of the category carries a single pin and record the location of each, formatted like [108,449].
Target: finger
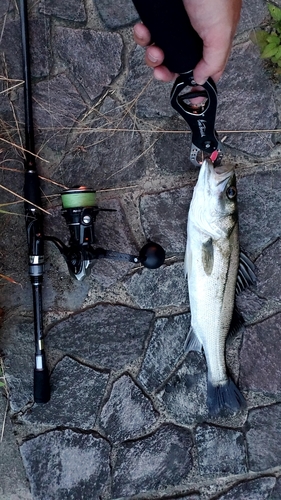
[162,73]
[212,64]
[154,56]
[141,35]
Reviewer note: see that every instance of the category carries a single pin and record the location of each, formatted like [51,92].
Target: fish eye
[231,192]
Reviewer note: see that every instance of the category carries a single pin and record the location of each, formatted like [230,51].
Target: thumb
[212,64]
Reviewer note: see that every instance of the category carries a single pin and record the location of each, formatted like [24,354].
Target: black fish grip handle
[171,30]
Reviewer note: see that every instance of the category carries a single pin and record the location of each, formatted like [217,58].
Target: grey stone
[171,153]
[164,217]
[76,395]
[165,286]
[14,485]
[260,357]
[113,233]
[269,268]
[70,10]
[5,6]
[128,413]
[259,208]
[73,465]
[17,345]
[57,108]
[93,57]
[138,469]
[248,103]
[184,396]
[249,304]
[164,351]
[105,159]
[116,14]
[40,58]
[252,14]
[276,493]
[221,451]
[152,98]
[105,335]
[257,489]
[264,438]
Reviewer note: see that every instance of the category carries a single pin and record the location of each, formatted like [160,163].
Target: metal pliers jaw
[200,118]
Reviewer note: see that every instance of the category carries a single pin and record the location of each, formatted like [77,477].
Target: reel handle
[171,30]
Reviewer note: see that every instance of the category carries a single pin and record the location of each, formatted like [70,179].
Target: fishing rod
[34,221]
[79,210]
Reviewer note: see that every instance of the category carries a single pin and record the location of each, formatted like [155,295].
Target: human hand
[215,21]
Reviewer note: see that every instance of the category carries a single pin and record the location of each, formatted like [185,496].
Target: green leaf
[269,51]
[278,53]
[279,63]
[259,38]
[273,39]
[275,12]
[2,384]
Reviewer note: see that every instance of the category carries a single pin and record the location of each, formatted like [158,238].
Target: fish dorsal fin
[246,273]
[208,256]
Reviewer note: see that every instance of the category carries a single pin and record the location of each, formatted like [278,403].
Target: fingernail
[152,58]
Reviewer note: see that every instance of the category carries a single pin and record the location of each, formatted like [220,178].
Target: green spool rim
[78,197]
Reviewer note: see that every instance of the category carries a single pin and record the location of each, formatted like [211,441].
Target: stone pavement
[127,416]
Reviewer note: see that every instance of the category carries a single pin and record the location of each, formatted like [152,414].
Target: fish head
[214,202]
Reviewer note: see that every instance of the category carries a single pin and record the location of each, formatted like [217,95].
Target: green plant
[269,39]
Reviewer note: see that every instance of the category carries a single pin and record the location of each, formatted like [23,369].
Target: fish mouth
[221,173]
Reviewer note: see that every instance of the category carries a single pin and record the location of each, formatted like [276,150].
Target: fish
[216,270]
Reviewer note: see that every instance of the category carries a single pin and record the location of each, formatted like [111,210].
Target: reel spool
[80,212]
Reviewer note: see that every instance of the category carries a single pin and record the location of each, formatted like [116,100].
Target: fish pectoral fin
[192,343]
[208,256]
[246,273]
[224,398]
[236,322]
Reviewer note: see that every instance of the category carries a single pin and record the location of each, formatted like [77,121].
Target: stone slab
[103,158]
[253,13]
[138,469]
[40,56]
[276,493]
[257,489]
[171,153]
[268,270]
[259,208]
[153,288]
[70,10]
[221,451]
[164,217]
[93,58]
[76,395]
[17,346]
[152,98]
[260,368]
[164,351]
[128,413]
[14,485]
[105,335]
[184,396]
[57,109]
[249,104]
[66,464]
[264,438]
[116,14]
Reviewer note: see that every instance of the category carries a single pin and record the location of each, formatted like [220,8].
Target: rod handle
[171,30]
[41,386]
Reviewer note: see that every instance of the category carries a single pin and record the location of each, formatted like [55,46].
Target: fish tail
[224,398]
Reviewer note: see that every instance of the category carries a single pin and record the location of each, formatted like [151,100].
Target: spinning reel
[80,211]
